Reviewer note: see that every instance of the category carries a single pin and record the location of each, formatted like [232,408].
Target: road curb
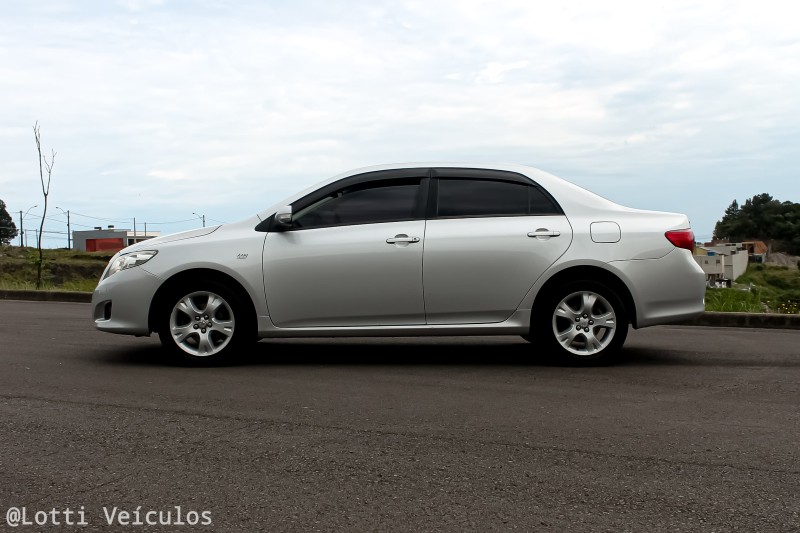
[46,296]
[745,320]
[710,319]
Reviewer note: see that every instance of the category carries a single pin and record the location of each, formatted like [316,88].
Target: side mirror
[283,217]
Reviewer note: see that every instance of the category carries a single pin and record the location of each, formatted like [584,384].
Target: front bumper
[121,303]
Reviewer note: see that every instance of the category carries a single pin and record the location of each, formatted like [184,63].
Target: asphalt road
[696,429]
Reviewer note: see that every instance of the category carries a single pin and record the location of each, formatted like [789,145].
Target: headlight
[130,260]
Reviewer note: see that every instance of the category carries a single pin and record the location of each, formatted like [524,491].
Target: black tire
[590,327]
[214,331]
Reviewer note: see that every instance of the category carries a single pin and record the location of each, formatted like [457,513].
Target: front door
[352,258]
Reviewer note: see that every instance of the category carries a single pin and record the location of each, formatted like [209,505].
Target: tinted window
[382,201]
[541,204]
[475,197]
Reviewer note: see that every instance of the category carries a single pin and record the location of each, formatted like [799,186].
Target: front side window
[372,202]
[477,197]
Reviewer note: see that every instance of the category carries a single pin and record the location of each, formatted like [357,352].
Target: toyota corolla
[413,250]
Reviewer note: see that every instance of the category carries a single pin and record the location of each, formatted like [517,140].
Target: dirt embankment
[68,268]
[781,259]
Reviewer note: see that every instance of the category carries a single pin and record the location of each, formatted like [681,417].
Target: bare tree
[44,166]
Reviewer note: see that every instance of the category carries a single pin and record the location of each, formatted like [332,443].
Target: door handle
[541,232]
[400,238]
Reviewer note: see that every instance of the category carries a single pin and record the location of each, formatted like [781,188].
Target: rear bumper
[665,290]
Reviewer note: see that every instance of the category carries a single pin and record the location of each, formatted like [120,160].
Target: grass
[733,301]
[767,288]
[67,270]
[83,285]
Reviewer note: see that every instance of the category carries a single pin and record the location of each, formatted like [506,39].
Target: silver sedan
[413,250]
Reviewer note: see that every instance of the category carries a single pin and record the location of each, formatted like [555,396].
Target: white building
[724,261]
[108,240]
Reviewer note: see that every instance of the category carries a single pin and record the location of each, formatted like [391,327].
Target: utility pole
[69,233]
[134,229]
[21,218]
[202,217]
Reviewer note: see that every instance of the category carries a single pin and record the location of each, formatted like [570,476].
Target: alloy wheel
[584,323]
[202,323]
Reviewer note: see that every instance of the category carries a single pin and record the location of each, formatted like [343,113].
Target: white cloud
[251,101]
[170,175]
[495,72]
[139,5]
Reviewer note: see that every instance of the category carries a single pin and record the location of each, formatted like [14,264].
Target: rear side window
[379,201]
[541,204]
[477,197]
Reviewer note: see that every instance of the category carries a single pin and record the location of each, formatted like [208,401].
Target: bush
[787,306]
[733,301]
[778,281]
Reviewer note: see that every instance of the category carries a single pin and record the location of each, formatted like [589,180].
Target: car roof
[556,186]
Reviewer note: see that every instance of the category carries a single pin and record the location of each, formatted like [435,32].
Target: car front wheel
[583,322]
[202,325]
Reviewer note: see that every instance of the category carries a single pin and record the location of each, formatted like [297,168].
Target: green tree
[732,225]
[8,230]
[764,218]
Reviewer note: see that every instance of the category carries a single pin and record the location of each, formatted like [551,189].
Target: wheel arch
[194,275]
[589,273]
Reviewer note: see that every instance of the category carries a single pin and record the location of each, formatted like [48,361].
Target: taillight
[681,238]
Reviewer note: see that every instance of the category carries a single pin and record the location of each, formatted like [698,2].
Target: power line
[173,222]
[34,215]
[126,221]
[56,218]
[119,221]
[101,218]
[80,225]
[36,230]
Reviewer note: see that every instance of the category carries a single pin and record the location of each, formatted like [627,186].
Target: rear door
[490,235]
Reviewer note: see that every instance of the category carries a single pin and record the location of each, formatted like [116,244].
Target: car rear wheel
[203,324]
[583,322]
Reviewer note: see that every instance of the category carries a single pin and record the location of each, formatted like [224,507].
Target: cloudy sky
[161,109]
